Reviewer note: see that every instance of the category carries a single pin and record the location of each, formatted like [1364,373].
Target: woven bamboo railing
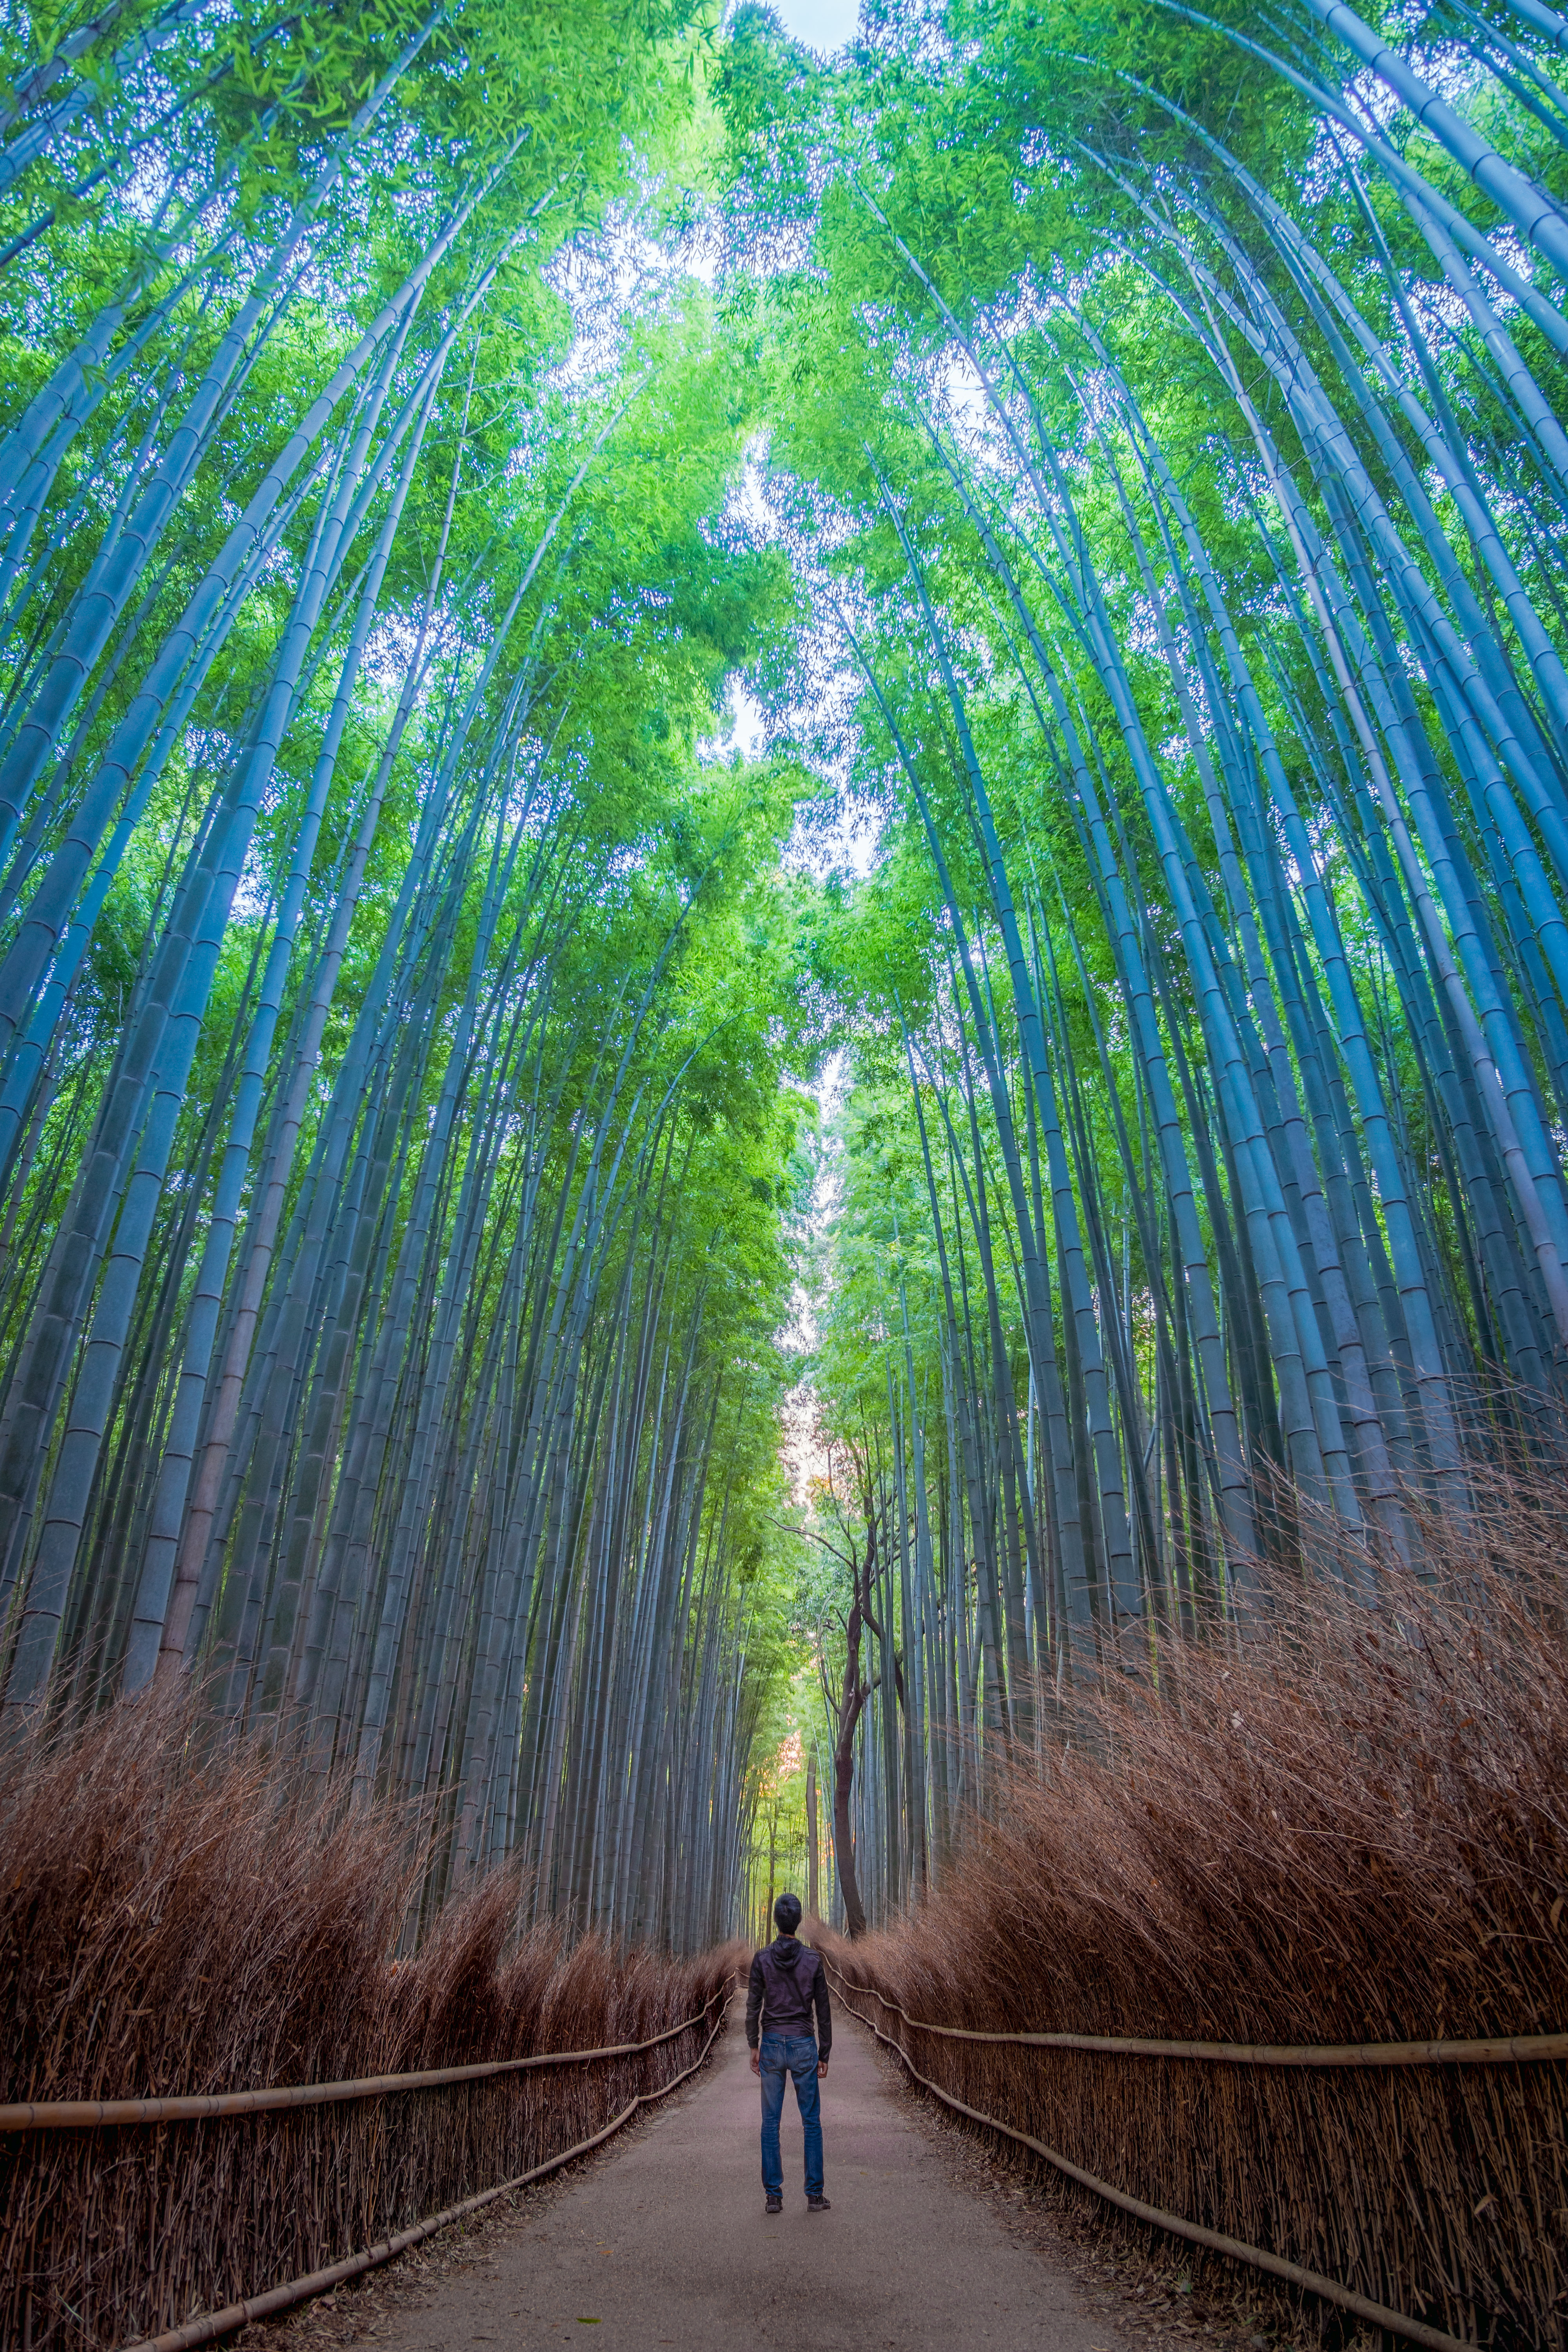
[1111,2123]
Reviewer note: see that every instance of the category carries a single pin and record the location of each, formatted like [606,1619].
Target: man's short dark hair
[786,1912]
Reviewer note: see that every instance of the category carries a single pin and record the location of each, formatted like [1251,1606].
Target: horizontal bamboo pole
[314,2282]
[46,2114]
[1516,2049]
[1379,2315]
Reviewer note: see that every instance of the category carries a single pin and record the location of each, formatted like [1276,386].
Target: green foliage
[1097,452]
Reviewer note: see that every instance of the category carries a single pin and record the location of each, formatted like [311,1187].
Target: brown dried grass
[1353,1828]
[173,1925]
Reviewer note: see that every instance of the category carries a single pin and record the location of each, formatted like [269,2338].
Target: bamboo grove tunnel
[784,1095]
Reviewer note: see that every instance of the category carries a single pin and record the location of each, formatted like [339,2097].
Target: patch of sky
[252,901]
[390,649]
[743,729]
[812,714]
[825,26]
[610,281]
[1142,634]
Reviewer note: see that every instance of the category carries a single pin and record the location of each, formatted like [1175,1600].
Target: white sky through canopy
[823,25]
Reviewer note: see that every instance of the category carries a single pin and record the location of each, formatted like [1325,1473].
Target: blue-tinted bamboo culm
[1172,450]
[390,1107]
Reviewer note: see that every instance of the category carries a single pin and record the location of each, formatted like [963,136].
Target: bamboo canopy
[1124,467]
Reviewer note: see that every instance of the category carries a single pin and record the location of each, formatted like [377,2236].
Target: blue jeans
[781,2054]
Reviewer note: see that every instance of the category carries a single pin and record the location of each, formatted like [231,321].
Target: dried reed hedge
[171,1926]
[1352,1829]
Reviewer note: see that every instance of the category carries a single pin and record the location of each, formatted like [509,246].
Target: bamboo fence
[1418,2186]
[157,2218]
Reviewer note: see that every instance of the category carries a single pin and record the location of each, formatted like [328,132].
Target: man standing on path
[787,1981]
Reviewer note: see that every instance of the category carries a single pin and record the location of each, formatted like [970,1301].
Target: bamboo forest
[783,1017]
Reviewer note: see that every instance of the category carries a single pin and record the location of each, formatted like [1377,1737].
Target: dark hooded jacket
[787,1983]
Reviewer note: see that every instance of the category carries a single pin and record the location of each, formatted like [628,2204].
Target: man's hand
[822,2070]
[756,2061]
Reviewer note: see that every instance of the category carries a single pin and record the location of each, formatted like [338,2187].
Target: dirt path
[667,2244]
